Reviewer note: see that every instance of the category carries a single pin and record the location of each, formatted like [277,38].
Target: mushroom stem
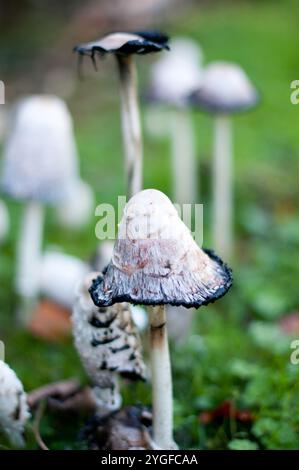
[131,127]
[184,171]
[106,393]
[222,187]
[161,379]
[29,257]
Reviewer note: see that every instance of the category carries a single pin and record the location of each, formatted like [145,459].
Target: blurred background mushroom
[4,222]
[124,46]
[40,167]
[173,77]
[224,90]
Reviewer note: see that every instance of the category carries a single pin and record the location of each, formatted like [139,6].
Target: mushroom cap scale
[106,338]
[156,261]
[40,156]
[224,89]
[123,43]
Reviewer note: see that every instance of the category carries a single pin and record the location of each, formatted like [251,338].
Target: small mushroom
[4,222]
[173,77]
[224,90]
[124,46]
[60,274]
[157,262]
[14,411]
[40,167]
[108,344]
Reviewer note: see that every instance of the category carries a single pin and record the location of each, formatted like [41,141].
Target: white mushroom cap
[60,274]
[156,261]
[13,405]
[175,75]
[40,157]
[4,221]
[225,87]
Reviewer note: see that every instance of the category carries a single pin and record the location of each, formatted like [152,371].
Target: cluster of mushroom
[155,262]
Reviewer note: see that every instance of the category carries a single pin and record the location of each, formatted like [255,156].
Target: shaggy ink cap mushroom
[125,43]
[106,338]
[40,158]
[224,89]
[156,261]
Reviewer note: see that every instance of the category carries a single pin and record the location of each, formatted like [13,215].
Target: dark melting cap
[122,43]
[156,261]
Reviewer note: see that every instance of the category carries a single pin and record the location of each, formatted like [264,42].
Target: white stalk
[161,380]
[131,126]
[222,188]
[184,168]
[29,255]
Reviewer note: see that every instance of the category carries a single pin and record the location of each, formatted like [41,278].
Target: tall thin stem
[184,168]
[29,257]
[161,379]
[131,126]
[222,188]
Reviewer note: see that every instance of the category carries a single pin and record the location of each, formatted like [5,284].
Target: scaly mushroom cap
[13,405]
[174,76]
[122,43]
[40,158]
[156,261]
[106,338]
[225,88]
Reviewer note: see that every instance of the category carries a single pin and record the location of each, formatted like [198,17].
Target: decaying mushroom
[13,405]
[157,262]
[124,46]
[225,89]
[173,77]
[108,344]
[40,166]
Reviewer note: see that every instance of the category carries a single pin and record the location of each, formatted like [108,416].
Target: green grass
[230,353]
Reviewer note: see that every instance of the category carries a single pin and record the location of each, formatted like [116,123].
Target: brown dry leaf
[50,321]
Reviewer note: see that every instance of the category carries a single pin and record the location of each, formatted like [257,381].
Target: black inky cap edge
[221,291]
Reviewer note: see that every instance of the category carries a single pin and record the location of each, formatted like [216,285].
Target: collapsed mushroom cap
[13,405]
[106,338]
[174,76]
[224,88]
[156,261]
[40,159]
[123,43]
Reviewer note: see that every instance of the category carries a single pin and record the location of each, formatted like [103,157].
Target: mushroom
[108,344]
[156,262]
[124,46]
[4,222]
[60,274]
[224,90]
[14,410]
[76,211]
[173,77]
[40,166]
